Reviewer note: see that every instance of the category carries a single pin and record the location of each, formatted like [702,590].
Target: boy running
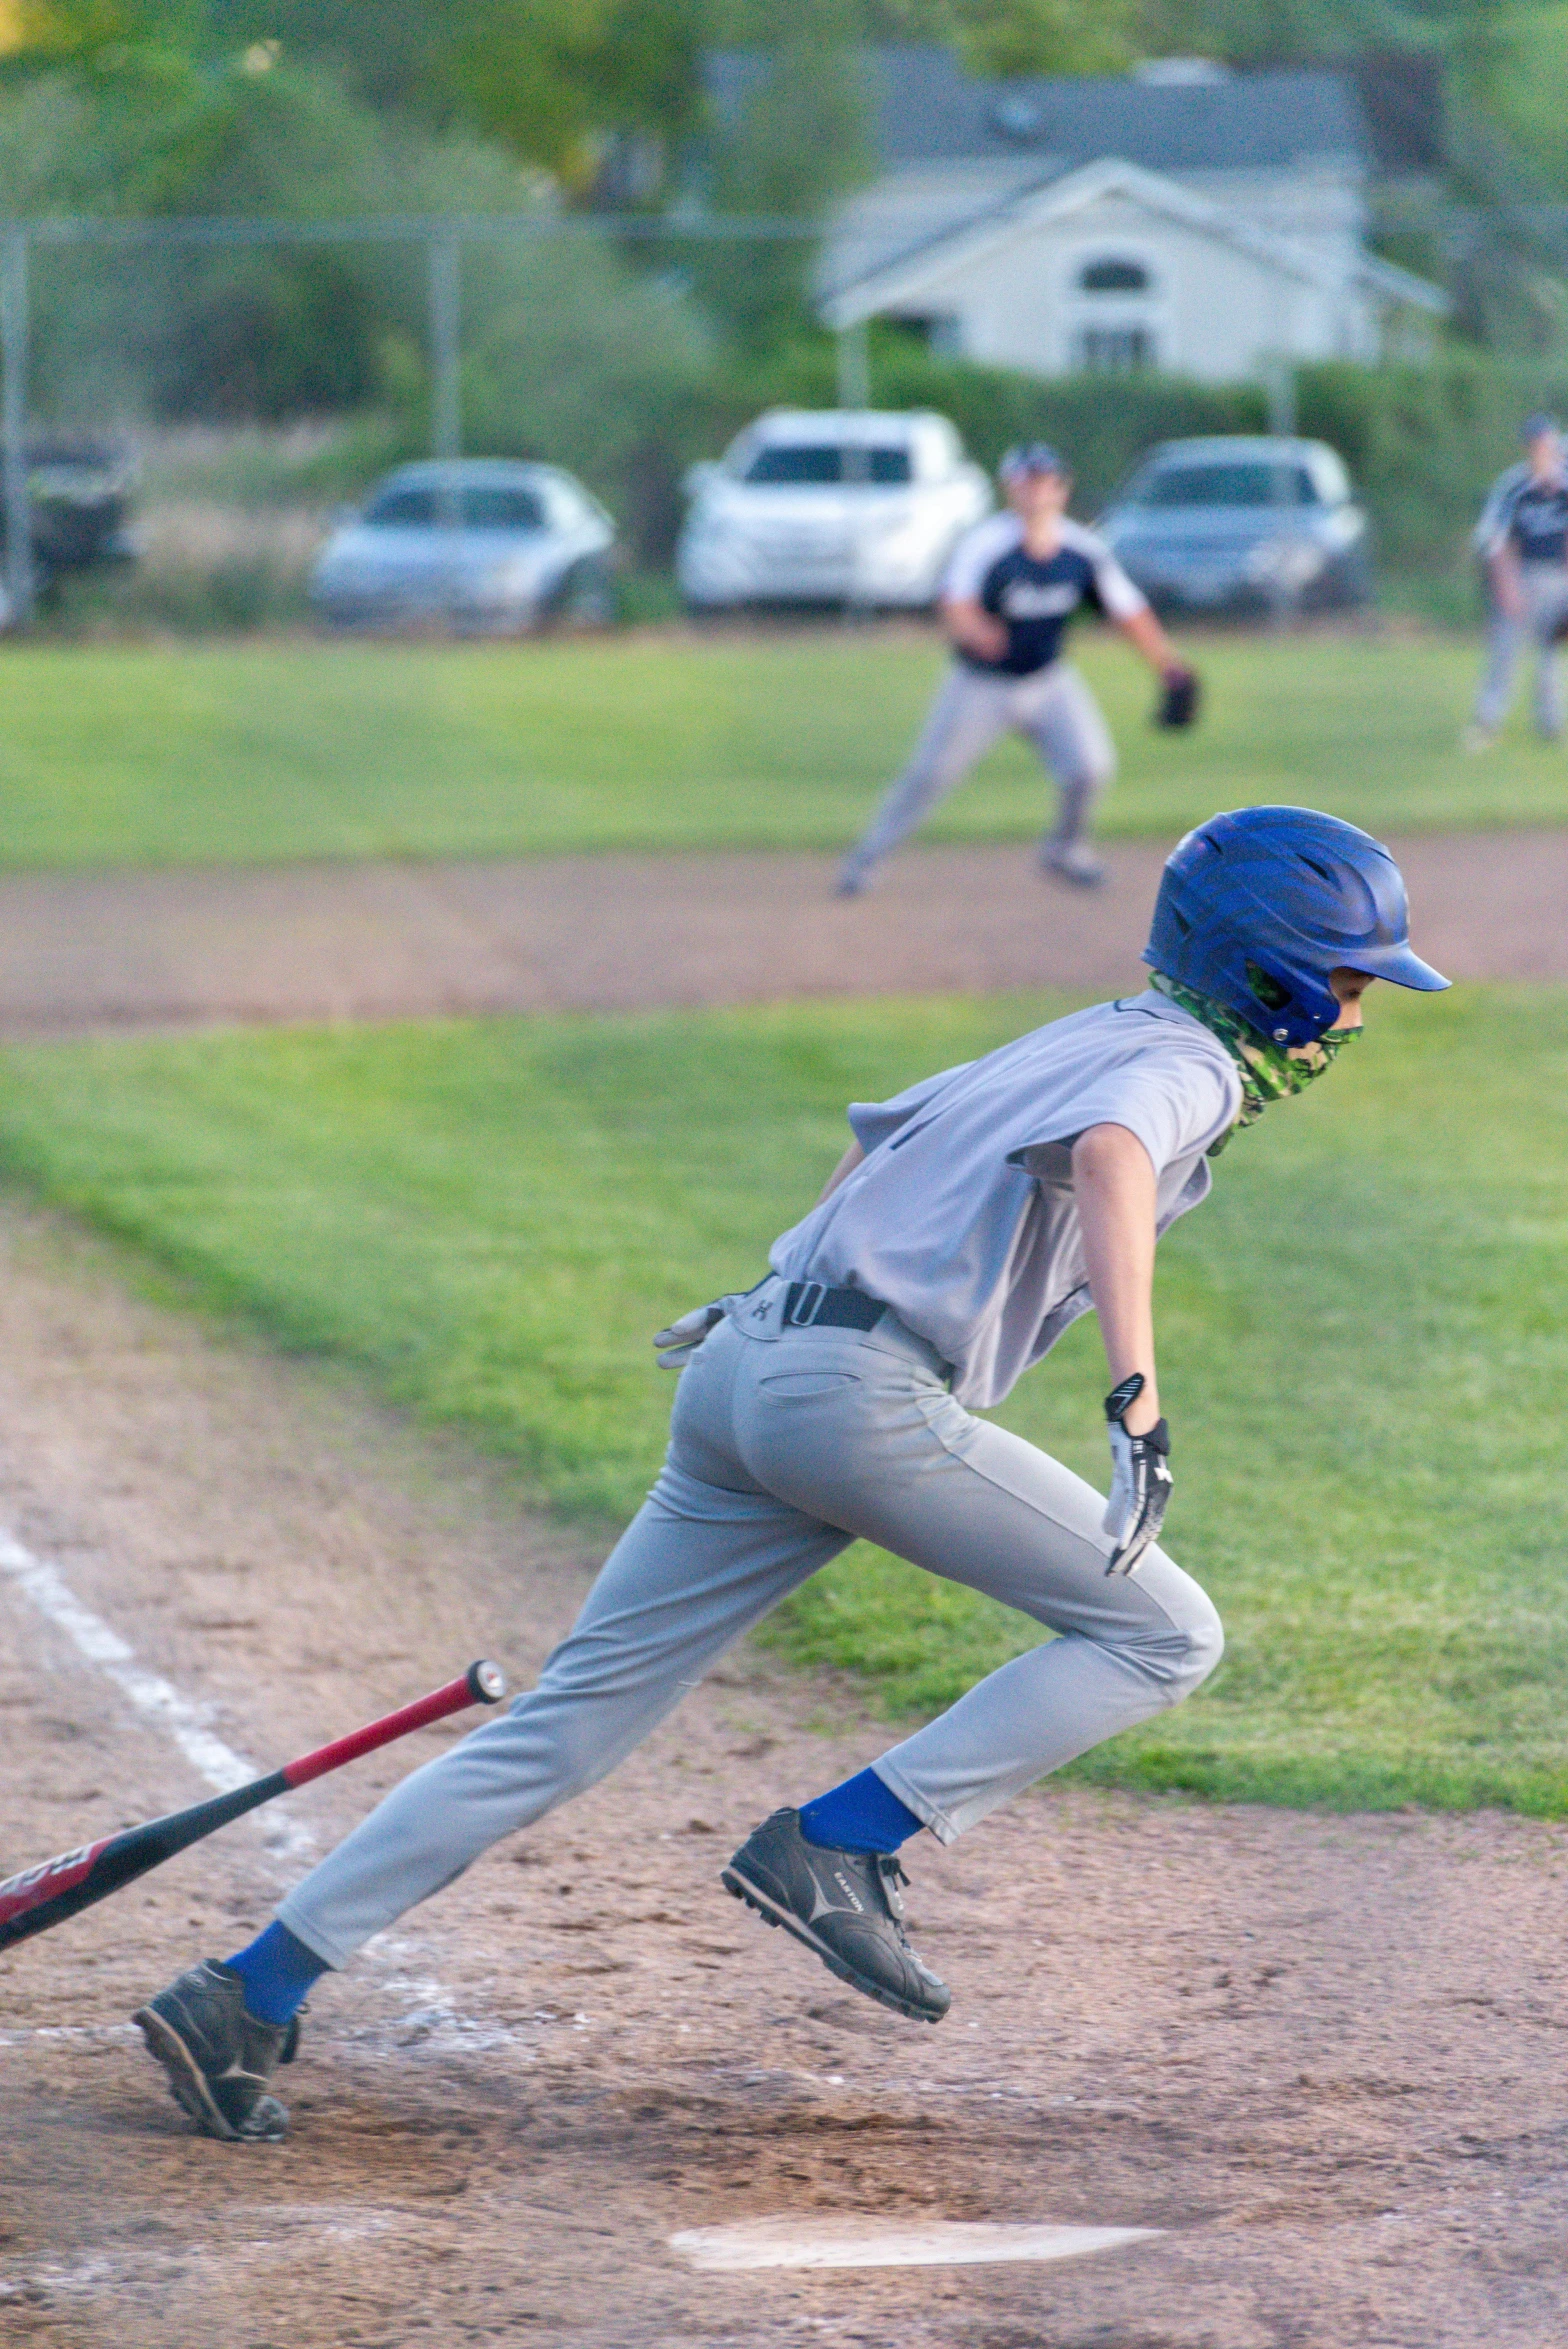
[972,1218]
[1011,589]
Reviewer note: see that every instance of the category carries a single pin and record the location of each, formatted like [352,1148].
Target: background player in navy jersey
[1014,583]
[1522,537]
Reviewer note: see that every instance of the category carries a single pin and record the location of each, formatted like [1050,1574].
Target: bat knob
[488,1683]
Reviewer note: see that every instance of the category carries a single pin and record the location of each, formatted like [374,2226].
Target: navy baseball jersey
[1035,598]
[1527,514]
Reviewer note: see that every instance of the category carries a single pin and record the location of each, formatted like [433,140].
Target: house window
[939,332]
[1113,275]
[1115,350]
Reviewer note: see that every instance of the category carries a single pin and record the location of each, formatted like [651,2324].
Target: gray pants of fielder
[785,1445]
[1545,590]
[1053,709]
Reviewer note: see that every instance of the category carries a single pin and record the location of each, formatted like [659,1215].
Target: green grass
[143,755]
[1364,1332]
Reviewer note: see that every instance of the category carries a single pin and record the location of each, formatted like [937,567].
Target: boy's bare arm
[1114,1179]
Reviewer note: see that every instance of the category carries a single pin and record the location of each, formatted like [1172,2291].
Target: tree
[798,141]
[1015,37]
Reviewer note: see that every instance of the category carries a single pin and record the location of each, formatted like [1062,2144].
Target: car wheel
[585,597]
[1347,584]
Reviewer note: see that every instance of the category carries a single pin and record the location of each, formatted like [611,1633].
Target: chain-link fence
[578,340]
[626,349]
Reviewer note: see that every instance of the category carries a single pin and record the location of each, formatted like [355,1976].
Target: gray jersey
[963,1216]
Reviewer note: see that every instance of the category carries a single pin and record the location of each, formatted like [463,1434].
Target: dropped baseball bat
[56,1889]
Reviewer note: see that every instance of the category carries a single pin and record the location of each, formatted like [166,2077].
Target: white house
[1185,218]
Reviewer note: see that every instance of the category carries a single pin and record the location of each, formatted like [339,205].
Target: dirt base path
[617,932]
[1324,2055]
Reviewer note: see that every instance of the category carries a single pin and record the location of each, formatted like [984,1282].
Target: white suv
[829,506]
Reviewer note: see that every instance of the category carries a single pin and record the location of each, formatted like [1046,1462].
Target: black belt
[813,1305]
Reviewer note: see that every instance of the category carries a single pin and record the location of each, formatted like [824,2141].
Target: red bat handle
[481,1684]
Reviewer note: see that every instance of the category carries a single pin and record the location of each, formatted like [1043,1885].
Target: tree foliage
[1006,37]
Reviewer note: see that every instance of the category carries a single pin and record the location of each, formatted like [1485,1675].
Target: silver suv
[814,505]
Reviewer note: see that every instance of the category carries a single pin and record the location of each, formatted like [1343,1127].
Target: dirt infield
[617,932]
[1324,2055]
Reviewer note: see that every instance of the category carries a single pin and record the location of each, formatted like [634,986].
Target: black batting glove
[1140,1480]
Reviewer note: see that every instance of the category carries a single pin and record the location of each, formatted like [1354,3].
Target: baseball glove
[1180,695]
[1140,1480]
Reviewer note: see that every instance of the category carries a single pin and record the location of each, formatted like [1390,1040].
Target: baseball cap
[1534,426]
[1031,456]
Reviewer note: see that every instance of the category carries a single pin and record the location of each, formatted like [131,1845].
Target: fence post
[1278,370]
[13,427]
[444,255]
[854,366]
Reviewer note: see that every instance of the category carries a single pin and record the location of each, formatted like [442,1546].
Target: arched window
[1113,275]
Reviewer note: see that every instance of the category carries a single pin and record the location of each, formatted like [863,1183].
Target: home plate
[848,2242]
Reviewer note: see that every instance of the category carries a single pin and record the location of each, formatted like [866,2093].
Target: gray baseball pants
[1545,590]
[1054,709]
[785,1445]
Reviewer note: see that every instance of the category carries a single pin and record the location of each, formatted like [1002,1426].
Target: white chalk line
[75,2034]
[155,1698]
[853,2242]
[186,1724]
[101,2272]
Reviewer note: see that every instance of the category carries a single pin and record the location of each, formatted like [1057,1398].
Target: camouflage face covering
[1269,1072]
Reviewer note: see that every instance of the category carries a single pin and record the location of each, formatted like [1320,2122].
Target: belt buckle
[807,1305]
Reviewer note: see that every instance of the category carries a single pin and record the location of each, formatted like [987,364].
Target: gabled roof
[899,277]
[926,109]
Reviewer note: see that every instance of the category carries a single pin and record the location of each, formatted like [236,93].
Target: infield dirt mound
[1324,2054]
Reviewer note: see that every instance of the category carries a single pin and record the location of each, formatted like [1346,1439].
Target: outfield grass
[1365,1331]
[131,755]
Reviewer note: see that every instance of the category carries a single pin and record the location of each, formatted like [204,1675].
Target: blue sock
[861,1815]
[277,1971]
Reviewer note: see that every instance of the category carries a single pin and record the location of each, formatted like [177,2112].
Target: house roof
[926,109]
[877,281]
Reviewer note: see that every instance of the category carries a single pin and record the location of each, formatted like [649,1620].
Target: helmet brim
[1401,966]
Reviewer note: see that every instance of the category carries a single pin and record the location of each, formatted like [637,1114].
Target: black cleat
[845,1905]
[217,2056]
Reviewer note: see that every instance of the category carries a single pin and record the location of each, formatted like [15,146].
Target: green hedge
[1424,443]
[1104,422]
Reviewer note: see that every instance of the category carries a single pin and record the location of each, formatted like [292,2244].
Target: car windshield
[1253,483]
[420,506]
[816,465]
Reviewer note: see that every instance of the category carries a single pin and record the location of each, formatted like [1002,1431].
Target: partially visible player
[1014,583]
[1522,538]
[972,1219]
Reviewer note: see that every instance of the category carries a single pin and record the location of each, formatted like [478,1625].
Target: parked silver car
[829,506]
[1242,524]
[485,547]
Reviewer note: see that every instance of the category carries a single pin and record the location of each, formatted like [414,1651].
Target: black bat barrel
[59,1888]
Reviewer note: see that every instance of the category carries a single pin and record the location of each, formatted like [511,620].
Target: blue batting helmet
[1258,906]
